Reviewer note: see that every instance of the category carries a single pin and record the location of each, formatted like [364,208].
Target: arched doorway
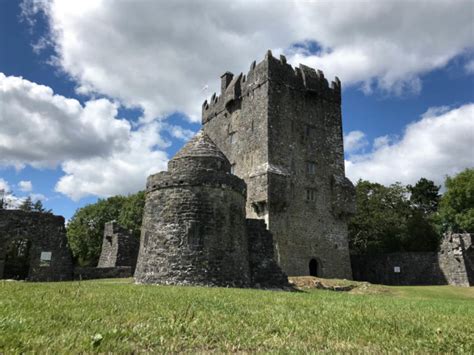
[17,260]
[313,267]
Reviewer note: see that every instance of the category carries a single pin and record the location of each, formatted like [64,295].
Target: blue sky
[407,81]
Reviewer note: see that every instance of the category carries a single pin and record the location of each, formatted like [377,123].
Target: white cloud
[123,172]
[469,67]
[100,154]
[43,129]
[354,141]
[25,186]
[4,186]
[38,197]
[180,132]
[159,55]
[9,200]
[441,143]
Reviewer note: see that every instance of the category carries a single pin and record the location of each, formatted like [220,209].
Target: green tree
[456,210]
[424,196]
[38,207]
[27,204]
[380,223]
[388,221]
[131,215]
[86,227]
[422,234]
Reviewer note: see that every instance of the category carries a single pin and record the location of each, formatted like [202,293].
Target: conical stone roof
[200,146]
[200,153]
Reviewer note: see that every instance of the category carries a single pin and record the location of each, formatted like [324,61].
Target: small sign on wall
[45,258]
[396,269]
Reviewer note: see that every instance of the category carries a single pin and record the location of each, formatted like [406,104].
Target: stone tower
[194,229]
[281,129]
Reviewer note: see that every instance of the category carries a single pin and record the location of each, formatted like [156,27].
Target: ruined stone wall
[456,258]
[46,234]
[452,265]
[119,247]
[264,270]
[194,231]
[271,123]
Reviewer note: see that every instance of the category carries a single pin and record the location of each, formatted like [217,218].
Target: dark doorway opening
[313,267]
[17,260]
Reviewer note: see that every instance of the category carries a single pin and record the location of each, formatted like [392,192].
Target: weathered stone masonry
[119,247]
[453,264]
[194,229]
[49,256]
[281,130]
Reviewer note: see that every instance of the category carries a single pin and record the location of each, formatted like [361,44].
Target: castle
[270,149]
[281,129]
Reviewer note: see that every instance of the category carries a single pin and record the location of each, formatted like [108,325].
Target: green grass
[118,316]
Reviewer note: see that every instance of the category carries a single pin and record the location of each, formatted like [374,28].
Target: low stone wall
[90,273]
[452,265]
[398,269]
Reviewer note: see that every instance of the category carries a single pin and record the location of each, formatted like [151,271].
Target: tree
[27,204]
[456,210]
[131,214]
[424,196]
[38,207]
[388,221]
[86,227]
[421,229]
[379,225]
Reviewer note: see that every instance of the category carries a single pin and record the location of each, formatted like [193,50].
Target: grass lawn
[116,315]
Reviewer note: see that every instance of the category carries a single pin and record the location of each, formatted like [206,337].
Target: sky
[95,95]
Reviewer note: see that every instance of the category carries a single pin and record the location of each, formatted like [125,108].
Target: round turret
[194,227]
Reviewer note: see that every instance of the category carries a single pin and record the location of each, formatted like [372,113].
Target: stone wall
[119,247]
[272,124]
[49,256]
[456,258]
[452,265]
[91,273]
[412,269]
[264,270]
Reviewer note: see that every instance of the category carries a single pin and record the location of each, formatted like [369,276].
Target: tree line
[26,205]
[410,218]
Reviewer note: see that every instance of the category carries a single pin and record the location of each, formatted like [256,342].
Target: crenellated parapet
[302,78]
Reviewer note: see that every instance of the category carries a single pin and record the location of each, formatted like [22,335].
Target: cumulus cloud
[25,186]
[122,172]
[7,197]
[4,186]
[180,132]
[354,141]
[43,129]
[159,55]
[440,143]
[100,154]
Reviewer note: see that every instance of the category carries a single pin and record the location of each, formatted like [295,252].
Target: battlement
[302,78]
